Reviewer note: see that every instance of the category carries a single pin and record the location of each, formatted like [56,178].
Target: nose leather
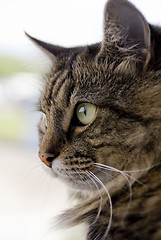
[46,158]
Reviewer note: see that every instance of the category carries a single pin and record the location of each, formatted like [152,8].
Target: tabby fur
[112,165]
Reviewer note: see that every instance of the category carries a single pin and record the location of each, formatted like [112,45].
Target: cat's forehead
[84,76]
[77,74]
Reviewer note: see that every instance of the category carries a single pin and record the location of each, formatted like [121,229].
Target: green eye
[85,112]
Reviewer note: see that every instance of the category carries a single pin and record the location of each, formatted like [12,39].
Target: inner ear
[124,21]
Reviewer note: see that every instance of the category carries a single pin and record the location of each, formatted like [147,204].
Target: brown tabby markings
[113,163]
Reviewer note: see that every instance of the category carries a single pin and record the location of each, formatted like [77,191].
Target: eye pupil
[85,111]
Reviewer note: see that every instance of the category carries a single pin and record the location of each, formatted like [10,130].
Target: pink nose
[46,158]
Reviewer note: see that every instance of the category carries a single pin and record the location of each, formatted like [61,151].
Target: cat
[101,127]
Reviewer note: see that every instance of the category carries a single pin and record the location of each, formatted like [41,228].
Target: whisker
[110,201]
[28,170]
[100,207]
[117,170]
[102,170]
[143,169]
[129,183]
[127,179]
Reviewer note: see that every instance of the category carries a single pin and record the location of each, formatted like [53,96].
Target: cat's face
[90,117]
[78,126]
[100,104]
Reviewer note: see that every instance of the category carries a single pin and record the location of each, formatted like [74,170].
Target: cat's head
[101,103]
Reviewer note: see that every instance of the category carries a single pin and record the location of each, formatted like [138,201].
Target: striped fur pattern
[111,164]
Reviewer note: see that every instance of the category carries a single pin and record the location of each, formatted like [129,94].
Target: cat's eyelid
[84,101]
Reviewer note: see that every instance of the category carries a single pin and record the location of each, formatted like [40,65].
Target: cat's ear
[52,51]
[127,28]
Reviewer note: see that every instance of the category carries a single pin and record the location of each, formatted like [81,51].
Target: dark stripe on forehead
[66,88]
[70,92]
[51,80]
[60,81]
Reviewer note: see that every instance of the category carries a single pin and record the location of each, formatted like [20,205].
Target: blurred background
[29,195]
